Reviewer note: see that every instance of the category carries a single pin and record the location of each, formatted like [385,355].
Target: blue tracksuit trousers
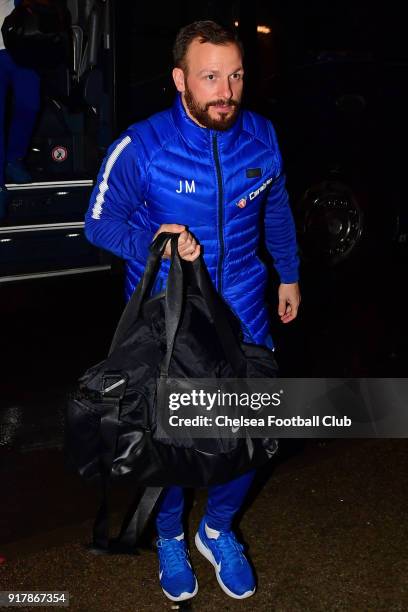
[25,87]
[223,503]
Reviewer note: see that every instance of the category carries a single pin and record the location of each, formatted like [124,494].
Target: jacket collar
[200,136]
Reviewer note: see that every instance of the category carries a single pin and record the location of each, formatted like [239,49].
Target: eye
[236,76]
[210,77]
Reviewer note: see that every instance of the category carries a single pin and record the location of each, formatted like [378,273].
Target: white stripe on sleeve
[103,185]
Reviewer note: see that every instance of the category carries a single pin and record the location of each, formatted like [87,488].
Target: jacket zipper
[220,213]
[220,225]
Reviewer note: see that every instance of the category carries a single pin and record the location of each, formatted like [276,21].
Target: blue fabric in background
[25,87]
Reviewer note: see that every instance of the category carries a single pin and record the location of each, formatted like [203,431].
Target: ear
[178,78]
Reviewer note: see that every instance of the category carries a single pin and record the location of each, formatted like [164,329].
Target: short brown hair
[205,31]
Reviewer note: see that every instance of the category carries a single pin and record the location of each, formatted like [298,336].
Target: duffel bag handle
[174,302]
[216,308]
[132,310]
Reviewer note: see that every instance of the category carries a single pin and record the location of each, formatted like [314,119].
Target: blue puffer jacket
[222,185]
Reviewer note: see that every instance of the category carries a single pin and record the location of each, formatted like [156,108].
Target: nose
[224,89]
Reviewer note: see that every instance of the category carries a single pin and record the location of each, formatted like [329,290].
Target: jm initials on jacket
[226,187]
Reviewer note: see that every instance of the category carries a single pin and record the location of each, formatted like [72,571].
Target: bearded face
[217,114]
[211,83]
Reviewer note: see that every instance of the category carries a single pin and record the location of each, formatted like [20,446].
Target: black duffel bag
[37,34]
[185,332]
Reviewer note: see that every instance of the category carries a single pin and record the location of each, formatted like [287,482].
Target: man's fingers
[288,316]
[187,248]
[193,256]
[183,237]
[289,313]
[295,311]
[289,301]
[173,228]
[186,244]
[282,307]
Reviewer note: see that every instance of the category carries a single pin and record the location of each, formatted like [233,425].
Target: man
[207,166]
[25,85]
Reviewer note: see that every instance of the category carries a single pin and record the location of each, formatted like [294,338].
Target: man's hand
[289,300]
[187,245]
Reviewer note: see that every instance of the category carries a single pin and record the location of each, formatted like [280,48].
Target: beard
[201,113]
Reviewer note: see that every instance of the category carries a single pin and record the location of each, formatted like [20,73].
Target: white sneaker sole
[182,596]
[206,552]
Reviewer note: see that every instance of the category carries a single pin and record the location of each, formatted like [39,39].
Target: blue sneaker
[16,172]
[222,549]
[177,578]
[4,198]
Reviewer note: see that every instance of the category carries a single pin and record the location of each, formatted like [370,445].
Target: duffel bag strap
[132,309]
[174,305]
[216,307]
[133,525]
[135,521]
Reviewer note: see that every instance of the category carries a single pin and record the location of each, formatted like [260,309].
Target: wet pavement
[327,532]
[326,527]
